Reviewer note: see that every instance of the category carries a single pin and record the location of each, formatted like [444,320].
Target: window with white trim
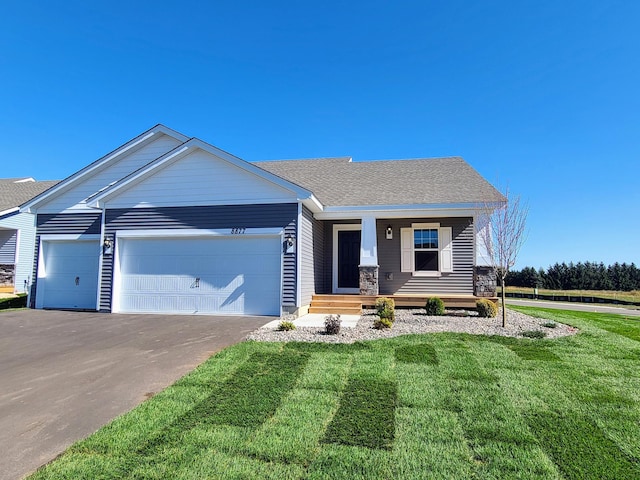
[426,249]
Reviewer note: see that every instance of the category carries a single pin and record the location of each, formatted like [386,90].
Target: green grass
[633,296]
[422,406]
[366,415]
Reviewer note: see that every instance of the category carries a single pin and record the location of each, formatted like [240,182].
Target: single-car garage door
[206,275]
[68,274]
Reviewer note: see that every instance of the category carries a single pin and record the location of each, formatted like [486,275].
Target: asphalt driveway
[65,374]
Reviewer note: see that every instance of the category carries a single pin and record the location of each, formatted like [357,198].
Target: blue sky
[542,96]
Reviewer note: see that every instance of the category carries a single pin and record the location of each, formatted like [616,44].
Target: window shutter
[446,250]
[406,249]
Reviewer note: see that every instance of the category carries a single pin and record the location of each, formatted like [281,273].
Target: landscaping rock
[415,321]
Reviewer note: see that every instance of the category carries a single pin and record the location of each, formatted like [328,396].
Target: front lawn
[419,406]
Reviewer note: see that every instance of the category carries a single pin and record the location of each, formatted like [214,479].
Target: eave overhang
[405,211]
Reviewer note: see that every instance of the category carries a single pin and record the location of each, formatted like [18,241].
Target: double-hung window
[426,249]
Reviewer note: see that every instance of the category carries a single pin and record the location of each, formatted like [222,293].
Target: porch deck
[353,304]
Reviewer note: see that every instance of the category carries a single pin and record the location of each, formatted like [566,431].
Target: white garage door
[68,275]
[220,275]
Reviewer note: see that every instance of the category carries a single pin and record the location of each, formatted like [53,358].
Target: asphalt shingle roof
[339,182]
[14,192]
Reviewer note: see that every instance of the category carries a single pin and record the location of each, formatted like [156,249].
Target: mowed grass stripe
[293,433]
[246,399]
[250,396]
[366,416]
[580,449]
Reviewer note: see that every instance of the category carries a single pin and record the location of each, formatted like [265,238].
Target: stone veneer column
[485,282]
[368,280]
[7,275]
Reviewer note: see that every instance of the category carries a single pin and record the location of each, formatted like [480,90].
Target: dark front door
[348,258]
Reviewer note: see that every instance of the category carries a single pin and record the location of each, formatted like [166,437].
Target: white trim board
[334,277]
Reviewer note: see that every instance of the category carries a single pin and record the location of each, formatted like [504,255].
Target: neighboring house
[171,224]
[17,233]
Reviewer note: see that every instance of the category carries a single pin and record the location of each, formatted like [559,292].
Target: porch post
[368,257]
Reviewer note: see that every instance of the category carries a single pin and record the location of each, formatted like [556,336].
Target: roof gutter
[404,211]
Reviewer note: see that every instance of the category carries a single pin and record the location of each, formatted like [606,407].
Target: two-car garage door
[211,275]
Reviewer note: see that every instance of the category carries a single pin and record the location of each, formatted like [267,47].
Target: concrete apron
[316,320]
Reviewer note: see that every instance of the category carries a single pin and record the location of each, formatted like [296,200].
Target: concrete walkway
[65,374]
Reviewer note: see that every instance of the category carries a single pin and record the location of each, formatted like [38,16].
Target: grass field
[633,296]
[423,406]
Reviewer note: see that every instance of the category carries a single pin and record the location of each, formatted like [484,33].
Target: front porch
[353,304]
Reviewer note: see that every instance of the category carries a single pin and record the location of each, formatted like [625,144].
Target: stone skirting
[7,275]
[484,281]
[369,280]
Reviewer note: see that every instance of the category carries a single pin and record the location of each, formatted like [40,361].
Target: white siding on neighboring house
[200,178]
[25,224]
[73,199]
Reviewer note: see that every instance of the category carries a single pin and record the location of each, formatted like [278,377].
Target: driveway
[584,307]
[65,374]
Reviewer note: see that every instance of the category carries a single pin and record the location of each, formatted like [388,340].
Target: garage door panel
[70,274]
[238,275]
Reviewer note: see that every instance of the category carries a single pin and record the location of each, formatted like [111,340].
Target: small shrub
[550,325]
[385,307]
[14,302]
[435,306]
[381,323]
[486,308]
[332,324]
[534,334]
[286,325]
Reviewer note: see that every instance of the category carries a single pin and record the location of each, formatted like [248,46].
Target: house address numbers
[238,231]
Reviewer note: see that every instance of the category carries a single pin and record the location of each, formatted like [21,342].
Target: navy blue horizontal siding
[459,282]
[68,223]
[204,217]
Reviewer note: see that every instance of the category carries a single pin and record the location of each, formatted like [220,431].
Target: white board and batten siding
[73,199]
[200,178]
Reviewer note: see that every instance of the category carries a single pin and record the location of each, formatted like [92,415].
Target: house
[171,224]
[17,233]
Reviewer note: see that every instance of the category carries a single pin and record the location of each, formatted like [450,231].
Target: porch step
[343,304]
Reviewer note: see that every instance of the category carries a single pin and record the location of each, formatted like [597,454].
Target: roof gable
[71,193]
[196,173]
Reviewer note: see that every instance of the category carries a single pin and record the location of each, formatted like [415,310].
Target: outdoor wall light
[389,232]
[289,245]
[107,246]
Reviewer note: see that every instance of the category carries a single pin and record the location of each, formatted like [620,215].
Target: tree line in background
[578,276]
